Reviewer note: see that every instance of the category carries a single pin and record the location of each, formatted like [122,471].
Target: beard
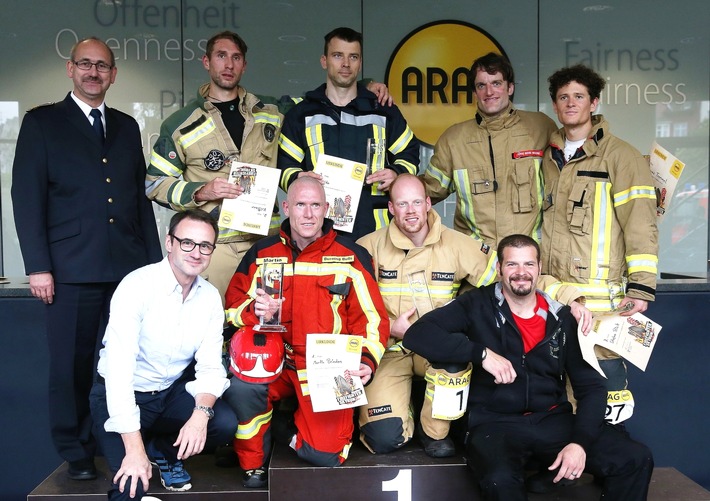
[520,290]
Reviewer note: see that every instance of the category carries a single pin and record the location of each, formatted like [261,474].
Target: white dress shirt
[152,336]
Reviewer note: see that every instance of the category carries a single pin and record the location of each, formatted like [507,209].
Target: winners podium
[405,475]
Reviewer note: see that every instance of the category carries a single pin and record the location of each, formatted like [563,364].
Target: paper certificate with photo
[343,185]
[665,170]
[252,210]
[632,338]
[330,359]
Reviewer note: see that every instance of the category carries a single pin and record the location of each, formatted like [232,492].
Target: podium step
[405,475]
[209,483]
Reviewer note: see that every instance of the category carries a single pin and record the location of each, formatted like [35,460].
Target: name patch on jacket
[270,260]
[377,411]
[338,259]
[388,274]
[441,275]
[527,154]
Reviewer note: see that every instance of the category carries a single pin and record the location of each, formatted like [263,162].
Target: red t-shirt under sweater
[533,328]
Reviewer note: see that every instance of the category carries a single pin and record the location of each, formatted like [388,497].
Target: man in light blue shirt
[160,370]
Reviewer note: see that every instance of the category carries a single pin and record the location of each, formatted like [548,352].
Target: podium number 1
[401,484]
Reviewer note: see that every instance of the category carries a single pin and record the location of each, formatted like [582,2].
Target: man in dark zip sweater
[524,346]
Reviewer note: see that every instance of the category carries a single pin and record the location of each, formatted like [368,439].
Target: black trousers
[497,453]
[76,321]
[162,416]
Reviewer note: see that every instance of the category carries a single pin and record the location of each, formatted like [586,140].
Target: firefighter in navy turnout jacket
[493,162]
[599,230]
[328,287]
[337,119]
[188,166]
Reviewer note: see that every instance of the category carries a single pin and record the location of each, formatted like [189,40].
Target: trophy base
[269,328]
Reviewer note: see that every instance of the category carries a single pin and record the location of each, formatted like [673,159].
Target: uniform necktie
[98,124]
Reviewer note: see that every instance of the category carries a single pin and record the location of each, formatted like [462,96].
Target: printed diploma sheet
[251,211]
[330,358]
[343,187]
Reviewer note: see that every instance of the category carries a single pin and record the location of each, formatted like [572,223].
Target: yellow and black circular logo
[428,75]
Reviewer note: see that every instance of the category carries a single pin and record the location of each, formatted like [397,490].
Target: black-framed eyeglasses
[187,245]
[85,65]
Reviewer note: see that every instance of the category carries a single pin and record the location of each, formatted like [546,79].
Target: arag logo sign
[428,75]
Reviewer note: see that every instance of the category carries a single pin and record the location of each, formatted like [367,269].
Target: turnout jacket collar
[506,119]
[364,101]
[402,241]
[246,101]
[591,146]
[318,246]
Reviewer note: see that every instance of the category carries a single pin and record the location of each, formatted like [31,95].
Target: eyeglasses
[187,245]
[404,205]
[85,65]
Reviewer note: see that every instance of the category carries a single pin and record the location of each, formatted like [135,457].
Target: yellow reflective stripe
[491,274]
[642,262]
[303,379]
[286,175]
[465,200]
[381,218]
[402,141]
[264,117]
[234,315]
[176,191]
[346,451]
[439,176]
[601,232]
[163,165]
[371,340]
[314,135]
[250,429]
[411,168]
[441,292]
[597,295]
[335,302]
[553,289]
[291,148]
[196,134]
[634,193]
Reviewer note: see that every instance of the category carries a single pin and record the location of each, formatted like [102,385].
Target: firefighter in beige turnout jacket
[599,231]
[187,166]
[493,161]
[416,247]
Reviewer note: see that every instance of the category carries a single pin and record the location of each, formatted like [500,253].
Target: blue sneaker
[173,476]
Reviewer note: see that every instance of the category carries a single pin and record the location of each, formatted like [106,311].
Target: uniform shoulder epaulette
[40,106]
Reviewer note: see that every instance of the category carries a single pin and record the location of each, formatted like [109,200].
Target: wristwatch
[207,410]
[484,354]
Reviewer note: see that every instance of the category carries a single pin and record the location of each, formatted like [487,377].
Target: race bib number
[450,396]
[619,406]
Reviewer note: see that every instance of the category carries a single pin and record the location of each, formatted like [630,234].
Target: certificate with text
[632,338]
[343,186]
[665,170]
[252,210]
[330,359]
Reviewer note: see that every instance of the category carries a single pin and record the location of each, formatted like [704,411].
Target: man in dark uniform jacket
[83,222]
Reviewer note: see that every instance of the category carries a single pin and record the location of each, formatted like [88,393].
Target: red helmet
[256,357]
